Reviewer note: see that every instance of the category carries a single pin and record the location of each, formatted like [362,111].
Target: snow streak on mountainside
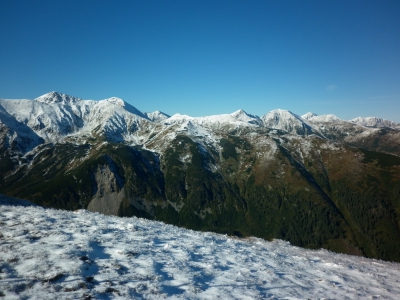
[55,254]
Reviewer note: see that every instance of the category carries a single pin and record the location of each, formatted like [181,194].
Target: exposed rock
[109,195]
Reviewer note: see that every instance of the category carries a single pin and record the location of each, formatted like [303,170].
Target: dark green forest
[346,202]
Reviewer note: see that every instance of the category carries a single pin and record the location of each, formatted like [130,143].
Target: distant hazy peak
[325,118]
[309,115]
[374,122]
[116,101]
[56,97]
[287,121]
[157,116]
[281,114]
[177,118]
[241,113]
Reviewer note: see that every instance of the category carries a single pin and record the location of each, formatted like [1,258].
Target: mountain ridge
[57,98]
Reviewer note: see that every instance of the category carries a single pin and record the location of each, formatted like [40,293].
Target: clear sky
[207,57]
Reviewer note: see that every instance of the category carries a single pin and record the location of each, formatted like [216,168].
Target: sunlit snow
[55,254]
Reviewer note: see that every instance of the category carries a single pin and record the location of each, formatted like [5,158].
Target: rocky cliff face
[108,194]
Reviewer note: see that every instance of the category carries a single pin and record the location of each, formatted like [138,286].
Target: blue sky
[207,57]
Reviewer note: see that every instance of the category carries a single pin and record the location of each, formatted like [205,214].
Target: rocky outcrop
[109,194]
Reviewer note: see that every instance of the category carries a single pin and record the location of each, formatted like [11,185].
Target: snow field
[54,254]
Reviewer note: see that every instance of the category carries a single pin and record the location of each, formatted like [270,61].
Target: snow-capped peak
[281,114]
[116,101]
[243,116]
[237,118]
[309,115]
[177,118]
[241,113]
[157,116]
[287,121]
[56,97]
[312,117]
[374,122]
[325,118]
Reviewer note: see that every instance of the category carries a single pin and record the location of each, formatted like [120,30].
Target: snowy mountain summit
[375,122]
[287,121]
[243,116]
[323,118]
[55,97]
[116,101]
[308,116]
[157,116]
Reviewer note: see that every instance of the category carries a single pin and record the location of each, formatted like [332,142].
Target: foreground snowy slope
[55,254]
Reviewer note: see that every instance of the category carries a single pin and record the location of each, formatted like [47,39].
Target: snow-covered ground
[54,254]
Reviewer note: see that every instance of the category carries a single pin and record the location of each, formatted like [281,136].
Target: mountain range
[316,181]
